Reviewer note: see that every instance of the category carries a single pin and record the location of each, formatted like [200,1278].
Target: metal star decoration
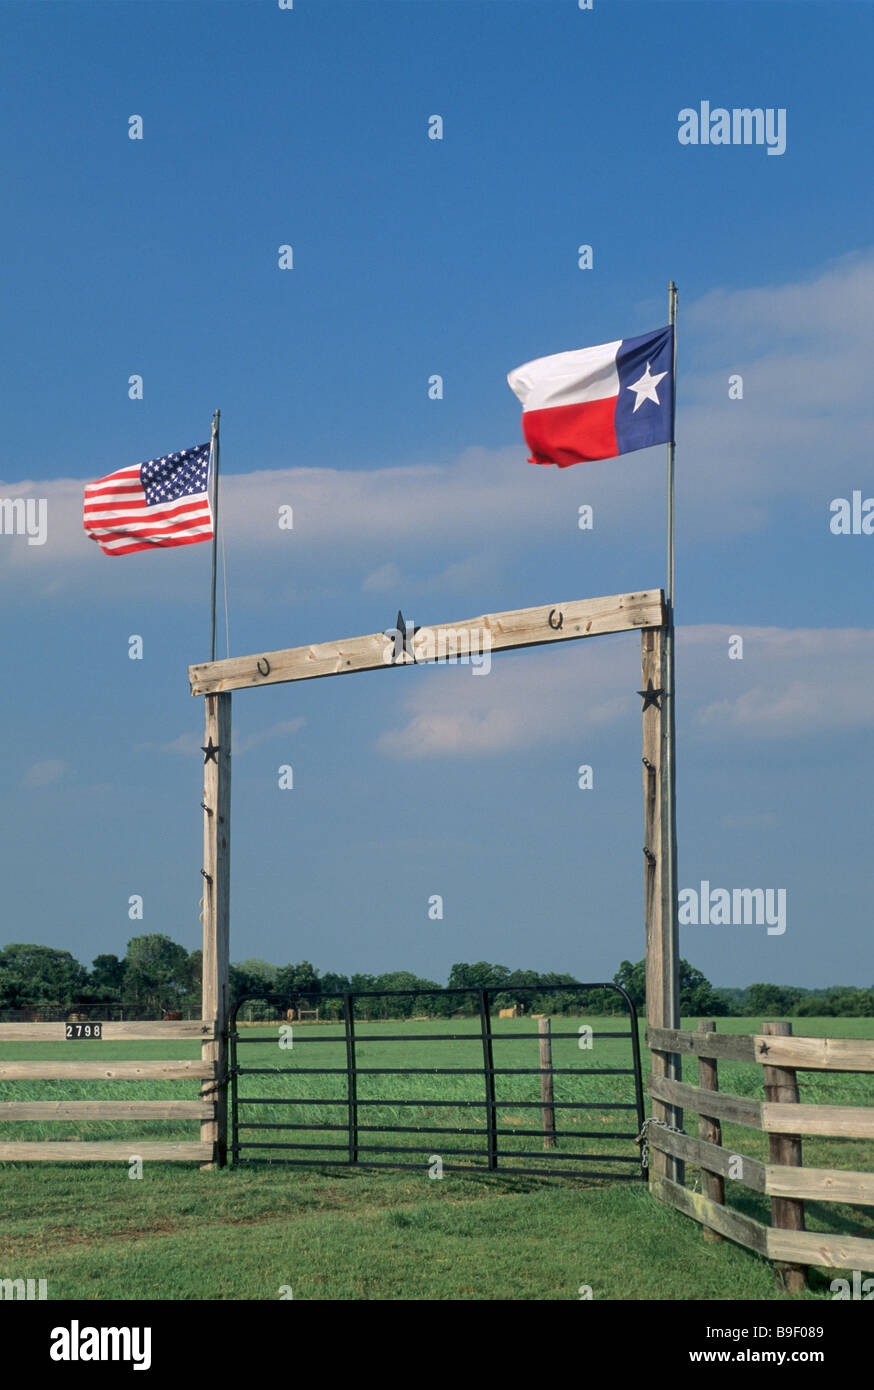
[650,696]
[211,751]
[408,633]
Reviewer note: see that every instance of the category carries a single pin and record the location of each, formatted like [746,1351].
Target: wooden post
[787,1213]
[712,1184]
[662,955]
[216,914]
[547,1094]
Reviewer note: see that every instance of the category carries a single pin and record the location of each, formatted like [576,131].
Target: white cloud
[44,774]
[801,681]
[282,729]
[791,682]
[383,580]
[526,699]
[188,744]
[801,433]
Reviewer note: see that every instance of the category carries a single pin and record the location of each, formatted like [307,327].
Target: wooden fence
[85,1066]
[784,1179]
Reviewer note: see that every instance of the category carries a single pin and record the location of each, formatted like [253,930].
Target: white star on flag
[645,387]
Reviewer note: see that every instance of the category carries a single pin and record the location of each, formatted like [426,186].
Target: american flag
[159,503]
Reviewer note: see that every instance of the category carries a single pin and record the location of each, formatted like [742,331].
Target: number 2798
[84,1030]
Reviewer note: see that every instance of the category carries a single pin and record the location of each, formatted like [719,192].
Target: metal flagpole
[215,525]
[669,790]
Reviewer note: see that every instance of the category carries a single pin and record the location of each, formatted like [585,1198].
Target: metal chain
[644,1142]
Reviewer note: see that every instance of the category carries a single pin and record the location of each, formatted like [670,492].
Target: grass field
[347,1233]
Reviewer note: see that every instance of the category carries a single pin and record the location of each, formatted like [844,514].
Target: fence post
[547,1093]
[787,1213]
[712,1183]
[216,918]
[662,977]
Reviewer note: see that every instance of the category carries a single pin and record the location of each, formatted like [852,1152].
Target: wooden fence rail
[191,1028]
[805,1054]
[86,1065]
[784,1119]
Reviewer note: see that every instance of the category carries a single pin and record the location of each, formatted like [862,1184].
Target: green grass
[344,1234]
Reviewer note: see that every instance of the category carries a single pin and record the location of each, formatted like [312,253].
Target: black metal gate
[347,1117]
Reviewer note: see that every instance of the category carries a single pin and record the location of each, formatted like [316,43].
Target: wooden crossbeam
[519,627]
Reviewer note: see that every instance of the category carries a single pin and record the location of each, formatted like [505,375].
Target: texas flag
[598,402]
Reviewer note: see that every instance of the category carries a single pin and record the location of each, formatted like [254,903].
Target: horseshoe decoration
[265,671]
[555,626]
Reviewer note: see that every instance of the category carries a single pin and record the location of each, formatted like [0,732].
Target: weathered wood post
[216,914]
[787,1213]
[547,1094]
[662,955]
[712,1183]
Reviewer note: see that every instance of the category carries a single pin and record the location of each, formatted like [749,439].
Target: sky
[415,257]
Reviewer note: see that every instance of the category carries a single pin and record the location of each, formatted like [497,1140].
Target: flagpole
[215,525]
[669,791]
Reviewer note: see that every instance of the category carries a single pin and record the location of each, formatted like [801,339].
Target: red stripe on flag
[153,516]
[566,434]
[160,542]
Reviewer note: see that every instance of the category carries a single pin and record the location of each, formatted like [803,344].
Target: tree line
[157,975]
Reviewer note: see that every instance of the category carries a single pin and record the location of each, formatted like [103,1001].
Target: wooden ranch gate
[644,611]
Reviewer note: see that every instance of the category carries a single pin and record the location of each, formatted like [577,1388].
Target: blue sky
[309,127]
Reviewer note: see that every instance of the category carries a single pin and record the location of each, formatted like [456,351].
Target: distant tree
[480,975]
[242,983]
[195,965]
[259,969]
[632,978]
[402,1005]
[772,1001]
[733,999]
[157,972]
[252,977]
[39,976]
[362,982]
[335,984]
[849,1002]
[299,983]
[571,1001]
[814,1006]
[516,994]
[106,979]
[697,995]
